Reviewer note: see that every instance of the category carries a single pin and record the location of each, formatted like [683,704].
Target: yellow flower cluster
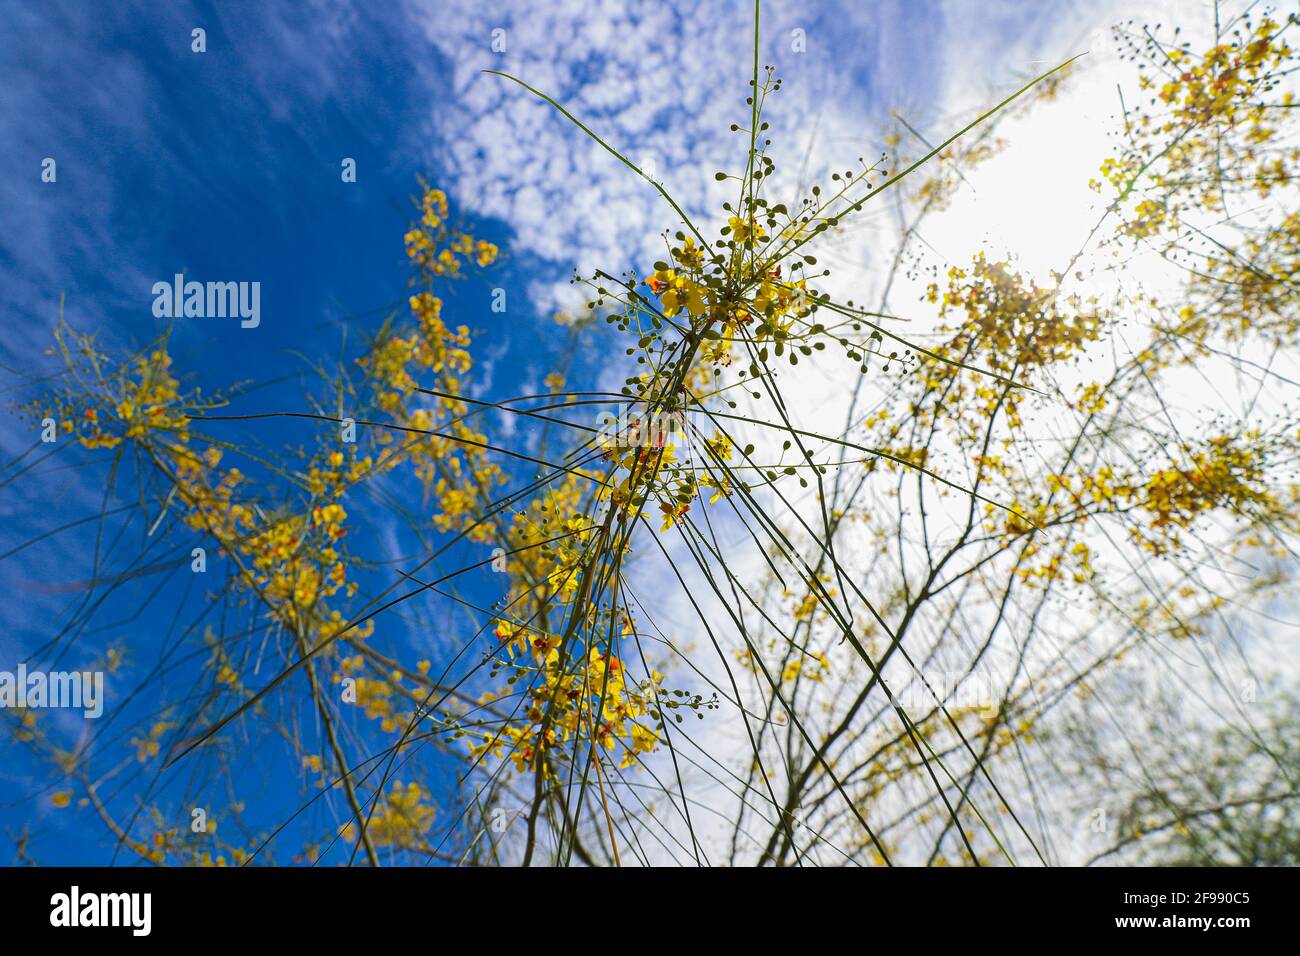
[1218,109]
[452,463]
[588,699]
[433,246]
[138,402]
[1226,474]
[401,818]
[1011,322]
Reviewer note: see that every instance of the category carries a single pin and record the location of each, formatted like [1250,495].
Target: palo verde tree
[699,619]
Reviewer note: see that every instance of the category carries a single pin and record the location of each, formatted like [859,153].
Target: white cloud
[666,84]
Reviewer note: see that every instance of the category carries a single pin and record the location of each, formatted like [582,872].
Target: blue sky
[226,165]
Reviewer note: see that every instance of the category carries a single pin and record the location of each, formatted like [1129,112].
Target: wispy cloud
[664,84]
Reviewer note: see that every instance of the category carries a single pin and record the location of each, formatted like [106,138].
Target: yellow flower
[689,255]
[672,513]
[744,230]
[676,292]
